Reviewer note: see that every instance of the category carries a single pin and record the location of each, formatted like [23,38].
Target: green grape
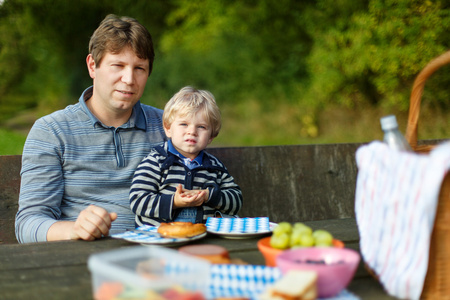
[280,241]
[306,240]
[282,227]
[285,235]
[322,238]
[300,227]
[295,238]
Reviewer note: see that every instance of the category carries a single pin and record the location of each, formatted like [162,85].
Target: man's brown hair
[115,33]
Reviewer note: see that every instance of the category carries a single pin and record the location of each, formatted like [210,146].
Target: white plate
[174,242]
[243,235]
[145,239]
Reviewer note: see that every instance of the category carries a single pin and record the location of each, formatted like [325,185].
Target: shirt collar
[171,149]
[137,118]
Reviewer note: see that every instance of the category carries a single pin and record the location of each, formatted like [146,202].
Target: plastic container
[143,272]
[392,135]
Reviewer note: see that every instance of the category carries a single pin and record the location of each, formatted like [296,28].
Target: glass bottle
[392,135]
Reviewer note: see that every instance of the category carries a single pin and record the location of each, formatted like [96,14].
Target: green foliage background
[283,72]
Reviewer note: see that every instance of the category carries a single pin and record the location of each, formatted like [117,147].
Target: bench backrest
[9,194]
[294,183]
[286,183]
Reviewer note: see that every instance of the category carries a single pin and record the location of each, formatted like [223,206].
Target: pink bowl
[335,267]
[270,254]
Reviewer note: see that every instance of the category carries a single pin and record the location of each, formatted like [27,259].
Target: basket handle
[415,99]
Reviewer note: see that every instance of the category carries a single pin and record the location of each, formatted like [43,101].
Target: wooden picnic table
[58,270]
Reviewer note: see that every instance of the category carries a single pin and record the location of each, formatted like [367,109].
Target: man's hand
[92,223]
[189,198]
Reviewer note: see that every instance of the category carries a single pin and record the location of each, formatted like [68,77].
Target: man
[78,162]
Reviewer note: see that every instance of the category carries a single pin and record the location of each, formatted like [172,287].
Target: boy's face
[189,134]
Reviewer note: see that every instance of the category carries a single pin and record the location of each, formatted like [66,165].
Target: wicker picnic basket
[437,281]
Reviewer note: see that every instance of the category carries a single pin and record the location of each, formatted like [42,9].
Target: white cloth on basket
[395,206]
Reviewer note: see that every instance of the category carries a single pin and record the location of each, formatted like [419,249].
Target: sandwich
[294,285]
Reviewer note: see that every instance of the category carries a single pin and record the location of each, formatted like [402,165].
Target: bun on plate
[213,253]
[181,229]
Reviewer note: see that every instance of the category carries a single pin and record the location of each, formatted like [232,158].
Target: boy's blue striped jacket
[157,176]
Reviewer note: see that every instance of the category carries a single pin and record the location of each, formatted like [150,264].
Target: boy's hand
[204,195]
[189,198]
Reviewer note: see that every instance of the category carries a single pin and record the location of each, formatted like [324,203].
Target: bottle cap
[388,122]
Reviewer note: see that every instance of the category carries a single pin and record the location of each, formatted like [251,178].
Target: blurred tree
[371,51]
[238,49]
[308,53]
[15,62]
[44,43]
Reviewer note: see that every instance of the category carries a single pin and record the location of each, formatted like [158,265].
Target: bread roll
[213,253]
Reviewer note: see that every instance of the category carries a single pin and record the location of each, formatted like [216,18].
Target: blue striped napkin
[238,225]
[250,281]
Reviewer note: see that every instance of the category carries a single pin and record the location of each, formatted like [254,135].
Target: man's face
[119,80]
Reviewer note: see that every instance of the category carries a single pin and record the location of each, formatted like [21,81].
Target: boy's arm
[146,200]
[226,196]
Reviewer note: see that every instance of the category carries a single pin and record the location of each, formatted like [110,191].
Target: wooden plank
[53,283]
[47,283]
[58,270]
[368,288]
[345,230]
[286,183]
[294,183]
[54,254]
[9,195]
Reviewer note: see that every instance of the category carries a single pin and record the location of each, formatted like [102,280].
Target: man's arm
[42,184]
[92,223]
[42,189]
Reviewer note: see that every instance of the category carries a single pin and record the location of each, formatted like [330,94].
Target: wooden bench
[286,183]
[9,195]
[309,183]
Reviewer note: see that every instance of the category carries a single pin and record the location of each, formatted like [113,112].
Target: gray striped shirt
[71,160]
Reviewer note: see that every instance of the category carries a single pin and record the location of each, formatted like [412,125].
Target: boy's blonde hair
[190,101]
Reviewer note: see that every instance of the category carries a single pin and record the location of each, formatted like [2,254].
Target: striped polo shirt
[71,160]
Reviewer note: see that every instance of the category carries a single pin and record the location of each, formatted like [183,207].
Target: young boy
[179,181]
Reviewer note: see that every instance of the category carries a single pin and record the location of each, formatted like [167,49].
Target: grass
[289,125]
[11,142]
[254,124]
[284,124]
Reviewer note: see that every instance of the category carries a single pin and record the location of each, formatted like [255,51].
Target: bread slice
[294,285]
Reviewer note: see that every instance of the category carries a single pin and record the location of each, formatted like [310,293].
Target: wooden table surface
[58,270]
